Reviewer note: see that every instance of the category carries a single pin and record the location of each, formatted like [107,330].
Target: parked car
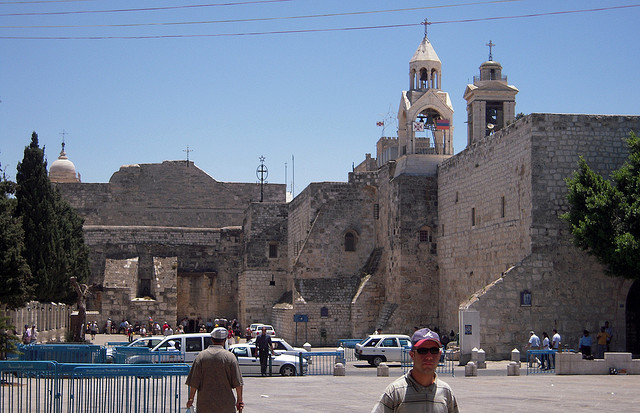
[283,364]
[148,342]
[280,346]
[382,347]
[257,330]
[177,348]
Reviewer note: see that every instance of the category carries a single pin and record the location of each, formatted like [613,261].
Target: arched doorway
[632,317]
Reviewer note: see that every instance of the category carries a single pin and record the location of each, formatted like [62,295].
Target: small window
[349,241]
[241,352]
[502,207]
[425,236]
[473,217]
[376,211]
[273,250]
[324,312]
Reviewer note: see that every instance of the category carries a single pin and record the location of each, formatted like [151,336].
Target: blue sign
[300,318]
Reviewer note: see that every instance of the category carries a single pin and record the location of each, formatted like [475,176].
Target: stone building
[470,243]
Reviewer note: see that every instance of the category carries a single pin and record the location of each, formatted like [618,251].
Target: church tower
[425,115]
[491,102]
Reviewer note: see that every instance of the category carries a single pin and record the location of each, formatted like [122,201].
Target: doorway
[632,317]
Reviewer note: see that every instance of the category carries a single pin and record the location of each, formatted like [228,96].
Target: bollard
[474,355]
[515,356]
[338,369]
[383,370]
[513,369]
[306,346]
[482,364]
[470,370]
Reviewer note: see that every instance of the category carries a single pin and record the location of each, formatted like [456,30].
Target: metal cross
[426,24]
[187,151]
[63,133]
[490,44]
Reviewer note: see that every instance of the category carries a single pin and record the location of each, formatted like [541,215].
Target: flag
[418,126]
[379,123]
[442,124]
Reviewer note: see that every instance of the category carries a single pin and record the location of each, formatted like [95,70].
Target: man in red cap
[420,390]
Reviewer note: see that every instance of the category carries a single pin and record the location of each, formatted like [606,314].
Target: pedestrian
[265,349]
[34,335]
[420,390]
[26,335]
[602,338]
[93,329]
[545,356]
[213,376]
[555,345]
[609,331]
[534,344]
[230,339]
[585,345]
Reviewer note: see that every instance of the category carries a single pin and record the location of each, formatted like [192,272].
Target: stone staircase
[371,266]
[385,314]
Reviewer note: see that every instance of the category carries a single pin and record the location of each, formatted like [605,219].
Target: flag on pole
[442,124]
[379,123]
[418,126]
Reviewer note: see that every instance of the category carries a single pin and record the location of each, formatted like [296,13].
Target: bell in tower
[491,102]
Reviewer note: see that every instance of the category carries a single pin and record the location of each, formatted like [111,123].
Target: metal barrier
[149,389]
[541,362]
[349,346]
[142,355]
[322,362]
[445,365]
[51,387]
[64,353]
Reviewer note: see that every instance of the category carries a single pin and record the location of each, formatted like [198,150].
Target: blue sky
[126,94]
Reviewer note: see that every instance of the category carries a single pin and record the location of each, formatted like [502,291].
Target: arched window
[349,241]
[424,79]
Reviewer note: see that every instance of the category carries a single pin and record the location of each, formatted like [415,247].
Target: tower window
[502,208]
[424,235]
[273,250]
[473,217]
[349,241]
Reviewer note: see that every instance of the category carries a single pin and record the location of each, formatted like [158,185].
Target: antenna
[293,177]
[187,151]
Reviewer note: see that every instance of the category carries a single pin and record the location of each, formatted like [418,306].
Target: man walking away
[214,374]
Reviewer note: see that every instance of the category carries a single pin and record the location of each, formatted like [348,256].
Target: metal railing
[143,355]
[349,346]
[321,363]
[541,362]
[63,353]
[51,387]
[445,365]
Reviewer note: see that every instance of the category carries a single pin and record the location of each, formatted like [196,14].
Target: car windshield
[372,342]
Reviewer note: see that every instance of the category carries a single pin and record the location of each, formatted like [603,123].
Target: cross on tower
[490,44]
[187,151]
[63,133]
[425,23]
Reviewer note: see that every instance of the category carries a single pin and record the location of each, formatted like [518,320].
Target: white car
[148,342]
[382,347]
[283,364]
[280,346]
[257,330]
[176,348]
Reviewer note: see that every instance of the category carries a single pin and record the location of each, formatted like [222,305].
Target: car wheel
[288,370]
[377,360]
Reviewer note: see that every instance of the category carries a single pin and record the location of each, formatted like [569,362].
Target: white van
[177,348]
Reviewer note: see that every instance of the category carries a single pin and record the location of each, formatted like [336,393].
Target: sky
[301,82]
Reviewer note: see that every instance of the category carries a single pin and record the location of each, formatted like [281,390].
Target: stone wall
[569,290]
[172,193]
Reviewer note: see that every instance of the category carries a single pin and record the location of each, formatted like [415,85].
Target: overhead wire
[299,31]
[259,19]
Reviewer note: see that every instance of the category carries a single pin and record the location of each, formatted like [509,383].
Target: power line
[186,6]
[258,19]
[391,26]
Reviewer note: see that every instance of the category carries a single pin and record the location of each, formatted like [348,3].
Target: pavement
[492,390]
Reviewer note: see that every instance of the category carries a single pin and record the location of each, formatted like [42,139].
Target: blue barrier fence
[63,353]
[142,355]
[445,365]
[322,362]
[541,362]
[349,346]
[51,387]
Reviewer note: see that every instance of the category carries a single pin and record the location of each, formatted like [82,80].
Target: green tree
[604,216]
[54,243]
[15,275]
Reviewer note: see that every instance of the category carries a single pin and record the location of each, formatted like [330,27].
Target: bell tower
[491,102]
[425,115]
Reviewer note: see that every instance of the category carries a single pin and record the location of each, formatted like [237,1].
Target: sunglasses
[425,350]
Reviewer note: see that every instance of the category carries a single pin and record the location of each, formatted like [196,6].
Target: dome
[62,169]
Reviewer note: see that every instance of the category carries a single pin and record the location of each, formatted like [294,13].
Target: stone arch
[632,319]
[350,240]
